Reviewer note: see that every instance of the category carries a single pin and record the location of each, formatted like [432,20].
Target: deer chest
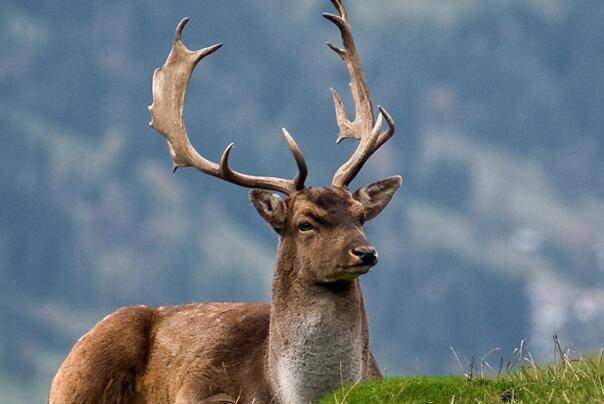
[317,358]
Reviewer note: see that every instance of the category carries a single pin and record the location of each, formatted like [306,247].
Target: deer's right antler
[170,84]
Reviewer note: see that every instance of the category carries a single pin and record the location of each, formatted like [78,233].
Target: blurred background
[497,235]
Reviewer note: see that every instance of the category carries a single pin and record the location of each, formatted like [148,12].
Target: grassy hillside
[567,381]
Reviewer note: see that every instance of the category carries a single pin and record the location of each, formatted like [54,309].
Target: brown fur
[235,351]
[104,364]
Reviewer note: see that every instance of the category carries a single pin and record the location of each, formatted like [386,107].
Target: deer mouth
[356,270]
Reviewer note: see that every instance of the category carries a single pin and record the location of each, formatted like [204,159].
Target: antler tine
[276,184]
[387,134]
[170,84]
[302,169]
[363,126]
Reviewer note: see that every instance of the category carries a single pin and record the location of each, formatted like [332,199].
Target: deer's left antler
[363,127]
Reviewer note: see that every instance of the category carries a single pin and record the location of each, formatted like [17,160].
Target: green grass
[568,380]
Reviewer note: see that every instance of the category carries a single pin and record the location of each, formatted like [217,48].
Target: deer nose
[367,254]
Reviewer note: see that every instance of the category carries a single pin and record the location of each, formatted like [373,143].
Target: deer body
[312,337]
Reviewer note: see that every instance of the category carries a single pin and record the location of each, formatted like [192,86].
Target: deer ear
[374,197]
[271,207]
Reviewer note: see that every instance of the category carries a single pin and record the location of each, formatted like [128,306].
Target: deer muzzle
[366,254]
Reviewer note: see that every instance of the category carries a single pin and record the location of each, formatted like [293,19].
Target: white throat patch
[321,354]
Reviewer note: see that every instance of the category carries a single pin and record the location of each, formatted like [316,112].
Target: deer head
[323,227]
[320,228]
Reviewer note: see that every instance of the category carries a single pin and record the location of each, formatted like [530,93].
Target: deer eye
[305,226]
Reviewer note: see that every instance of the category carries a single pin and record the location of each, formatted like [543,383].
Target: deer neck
[318,335]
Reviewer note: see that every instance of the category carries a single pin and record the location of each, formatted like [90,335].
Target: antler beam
[363,127]
[170,84]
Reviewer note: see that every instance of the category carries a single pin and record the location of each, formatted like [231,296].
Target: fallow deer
[311,338]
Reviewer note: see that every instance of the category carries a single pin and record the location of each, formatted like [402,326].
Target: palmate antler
[363,127]
[170,84]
